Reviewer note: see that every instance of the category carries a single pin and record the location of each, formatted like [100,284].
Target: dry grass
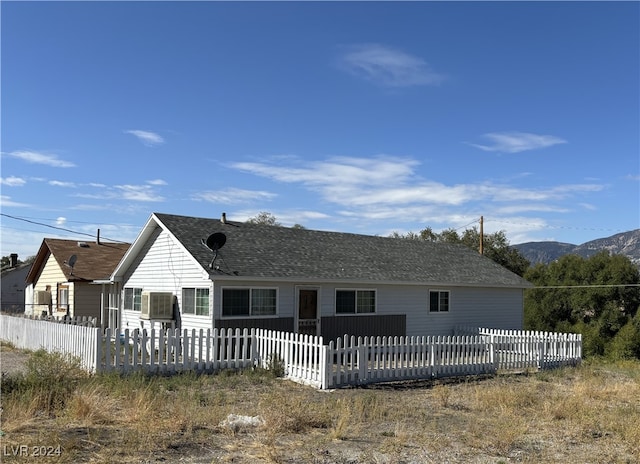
[589,414]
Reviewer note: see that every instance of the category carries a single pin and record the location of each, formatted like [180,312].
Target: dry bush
[92,405]
[291,411]
[442,393]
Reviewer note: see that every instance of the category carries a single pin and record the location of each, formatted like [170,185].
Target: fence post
[362,360]
[492,353]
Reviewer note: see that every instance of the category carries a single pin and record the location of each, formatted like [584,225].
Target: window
[63,297]
[249,302]
[133,299]
[355,301]
[195,301]
[438,301]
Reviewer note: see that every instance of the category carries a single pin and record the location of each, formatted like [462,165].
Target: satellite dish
[71,262]
[216,241]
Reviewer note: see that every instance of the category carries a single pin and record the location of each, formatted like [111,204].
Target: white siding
[286,295]
[51,275]
[496,308]
[163,266]
[485,307]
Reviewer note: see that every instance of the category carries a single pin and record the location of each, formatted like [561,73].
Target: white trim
[209,305]
[296,315]
[439,290]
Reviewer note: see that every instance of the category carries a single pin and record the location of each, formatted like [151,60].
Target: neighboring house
[306,281]
[67,277]
[13,285]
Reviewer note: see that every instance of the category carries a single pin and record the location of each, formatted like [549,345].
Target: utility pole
[481,235]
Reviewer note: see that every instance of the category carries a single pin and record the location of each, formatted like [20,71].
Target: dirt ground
[12,361]
[412,423]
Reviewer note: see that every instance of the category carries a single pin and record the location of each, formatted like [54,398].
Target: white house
[204,273]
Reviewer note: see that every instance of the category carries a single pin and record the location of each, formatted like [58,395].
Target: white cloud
[12,181]
[524,208]
[232,196]
[588,206]
[138,193]
[143,193]
[146,137]
[379,171]
[61,221]
[58,183]
[378,181]
[515,142]
[157,182]
[369,191]
[388,67]
[35,157]
[6,201]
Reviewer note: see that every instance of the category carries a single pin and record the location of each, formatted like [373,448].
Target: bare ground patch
[588,414]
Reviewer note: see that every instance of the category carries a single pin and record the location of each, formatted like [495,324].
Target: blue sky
[355,117]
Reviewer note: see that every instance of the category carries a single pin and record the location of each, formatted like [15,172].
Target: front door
[308,321]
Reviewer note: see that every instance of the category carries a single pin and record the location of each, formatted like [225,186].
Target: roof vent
[224,218]
[83,244]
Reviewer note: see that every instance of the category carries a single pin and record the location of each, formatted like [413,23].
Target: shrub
[48,383]
[626,343]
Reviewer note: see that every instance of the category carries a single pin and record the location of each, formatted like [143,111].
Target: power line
[465,226]
[55,219]
[58,228]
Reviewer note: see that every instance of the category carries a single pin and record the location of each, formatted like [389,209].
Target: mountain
[625,243]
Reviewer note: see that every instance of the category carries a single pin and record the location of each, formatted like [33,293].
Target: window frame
[136,299]
[250,301]
[440,293]
[196,299]
[62,303]
[356,301]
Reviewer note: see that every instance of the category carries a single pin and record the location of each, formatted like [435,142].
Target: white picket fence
[76,320]
[303,358]
[524,349]
[364,360]
[174,350]
[32,334]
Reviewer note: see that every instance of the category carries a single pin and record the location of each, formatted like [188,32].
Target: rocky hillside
[626,243]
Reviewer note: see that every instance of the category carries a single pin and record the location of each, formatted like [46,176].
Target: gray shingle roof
[272,252]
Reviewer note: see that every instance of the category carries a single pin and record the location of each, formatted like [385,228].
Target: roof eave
[133,250]
[368,282]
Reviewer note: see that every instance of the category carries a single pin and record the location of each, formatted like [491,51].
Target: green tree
[597,296]
[268,219]
[264,218]
[6,260]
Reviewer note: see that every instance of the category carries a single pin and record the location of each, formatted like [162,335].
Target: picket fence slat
[304,358]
